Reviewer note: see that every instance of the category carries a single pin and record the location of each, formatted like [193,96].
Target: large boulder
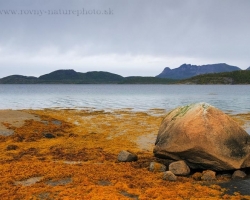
[204,137]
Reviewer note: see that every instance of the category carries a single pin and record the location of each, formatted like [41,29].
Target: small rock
[56,122]
[197,176]
[157,167]
[224,177]
[45,122]
[6,132]
[49,135]
[11,147]
[169,176]
[208,175]
[104,183]
[130,196]
[125,156]
[238,174]
[179,168]
[43,195]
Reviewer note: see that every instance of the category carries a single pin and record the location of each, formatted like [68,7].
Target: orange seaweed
[84,150]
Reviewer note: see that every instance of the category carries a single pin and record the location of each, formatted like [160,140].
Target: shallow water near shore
[229,98]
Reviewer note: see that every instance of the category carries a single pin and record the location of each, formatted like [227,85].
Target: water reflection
[231,98]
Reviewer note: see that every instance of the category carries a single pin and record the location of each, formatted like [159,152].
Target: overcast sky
[127,37]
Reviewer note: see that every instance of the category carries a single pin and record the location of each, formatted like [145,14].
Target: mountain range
[187,71]
[183,74]
[70,76]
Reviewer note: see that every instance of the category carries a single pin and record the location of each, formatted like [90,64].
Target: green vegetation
[146,80]
[235,77]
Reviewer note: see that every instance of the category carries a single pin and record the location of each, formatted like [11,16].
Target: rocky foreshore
[75,154]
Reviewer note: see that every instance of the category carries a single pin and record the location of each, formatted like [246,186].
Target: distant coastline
[185,74]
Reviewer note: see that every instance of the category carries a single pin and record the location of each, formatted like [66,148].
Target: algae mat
[71,154]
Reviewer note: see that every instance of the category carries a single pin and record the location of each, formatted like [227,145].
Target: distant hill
[19,79]
[71,76]
[65,77]
[67,74]
[248,68]
[235,77]
[186,70]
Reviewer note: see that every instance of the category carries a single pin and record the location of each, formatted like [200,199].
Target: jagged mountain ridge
[187,70]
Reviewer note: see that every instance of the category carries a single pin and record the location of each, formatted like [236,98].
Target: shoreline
[76,151]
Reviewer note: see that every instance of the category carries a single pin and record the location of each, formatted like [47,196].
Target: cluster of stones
[180,168]
[177,168]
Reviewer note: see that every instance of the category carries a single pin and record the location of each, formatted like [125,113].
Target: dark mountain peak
[188,70]
[71,76]
[64,72]
[248,68]
[102,76]
[185,65]
[167,69]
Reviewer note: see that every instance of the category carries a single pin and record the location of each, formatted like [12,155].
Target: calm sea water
[229,98]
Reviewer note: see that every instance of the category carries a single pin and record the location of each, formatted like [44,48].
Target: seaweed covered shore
[72,154]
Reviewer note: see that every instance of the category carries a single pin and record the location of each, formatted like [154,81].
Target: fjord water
[229,98]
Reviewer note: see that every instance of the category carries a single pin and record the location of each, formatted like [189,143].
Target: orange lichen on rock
[72,154]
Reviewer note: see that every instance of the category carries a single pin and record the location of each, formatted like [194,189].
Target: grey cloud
[215,31]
